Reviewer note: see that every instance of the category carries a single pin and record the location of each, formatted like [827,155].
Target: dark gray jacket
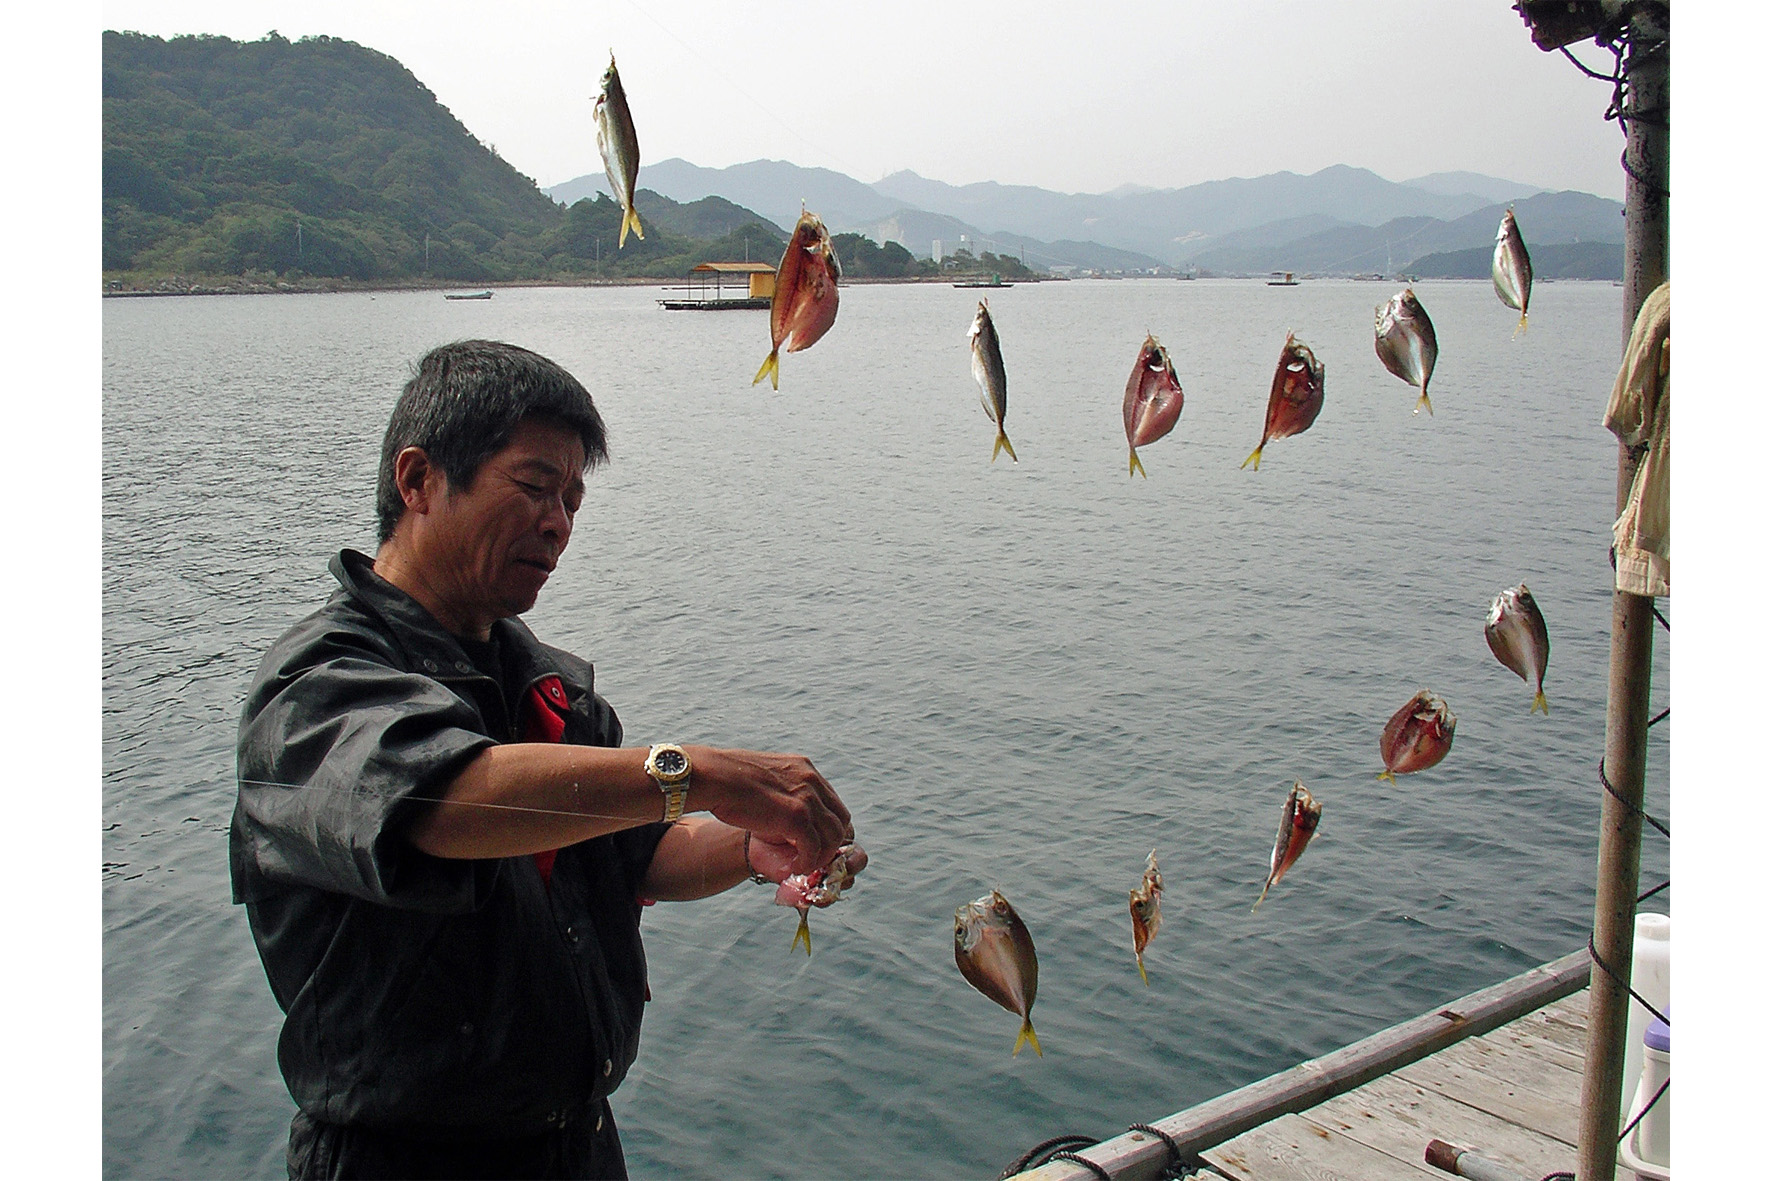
[449,998]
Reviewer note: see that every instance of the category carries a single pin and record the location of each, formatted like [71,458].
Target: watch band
[668,764]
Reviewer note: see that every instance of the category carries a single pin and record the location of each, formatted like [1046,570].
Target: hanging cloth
[1638,415]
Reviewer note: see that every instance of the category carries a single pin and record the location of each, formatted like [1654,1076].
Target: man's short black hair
[461,406]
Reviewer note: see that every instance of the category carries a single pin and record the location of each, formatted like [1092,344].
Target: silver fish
[1512,268]
[995,953]
[619,147]
[1404,339]
[1298,824]
[987,370]
[1517,635]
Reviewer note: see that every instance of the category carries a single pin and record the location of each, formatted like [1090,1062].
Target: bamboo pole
[1627,694]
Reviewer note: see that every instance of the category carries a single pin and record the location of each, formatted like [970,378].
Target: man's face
[495,542]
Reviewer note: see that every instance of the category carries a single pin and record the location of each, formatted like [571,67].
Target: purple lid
[1655,1037]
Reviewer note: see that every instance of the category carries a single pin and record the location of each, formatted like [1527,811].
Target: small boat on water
[993,281]
[1281,279]
[467,295]
[755,279]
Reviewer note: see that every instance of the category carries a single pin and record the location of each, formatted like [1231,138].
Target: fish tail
[1002,444]
[631,217]
[1027,1035]
[1538,703]
[1254,457]
[1387,776]
[1423,402]
[771,369]
[1134,465]
[1258,901]
[1521,326]
[1141,975]
[803,934]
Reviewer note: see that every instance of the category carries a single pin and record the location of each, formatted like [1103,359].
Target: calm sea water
[1022,676]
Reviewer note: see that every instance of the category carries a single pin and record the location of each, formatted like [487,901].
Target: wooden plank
[1572,1038]
[1399,1118]
[1479,1076]
[1516,1037]
[1138,1158]
[1293,1148]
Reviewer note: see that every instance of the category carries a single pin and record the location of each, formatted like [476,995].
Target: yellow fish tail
[1027,1035]
[1254,457]
[1141,975]
[771,369]
[1134,465]
[1421,403]
[1258,901]
[1002,444]
[1538,703]
[803,934]
[1387,776]
[1521,326]
[629,219]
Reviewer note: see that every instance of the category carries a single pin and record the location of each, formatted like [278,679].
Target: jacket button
[461,666]
[599,1126]
[430,666]
[572,934]
[467,1029]
[607,1067]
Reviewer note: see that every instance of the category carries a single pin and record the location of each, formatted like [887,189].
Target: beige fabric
[1638,415]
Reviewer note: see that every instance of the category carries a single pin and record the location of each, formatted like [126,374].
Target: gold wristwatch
[669,767]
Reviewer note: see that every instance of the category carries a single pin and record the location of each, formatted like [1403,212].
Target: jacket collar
[432,649]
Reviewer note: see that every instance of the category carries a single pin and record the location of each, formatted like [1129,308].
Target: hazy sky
[1078,97]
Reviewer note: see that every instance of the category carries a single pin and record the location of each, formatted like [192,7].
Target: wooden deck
[1496,1073]
[1510,1096]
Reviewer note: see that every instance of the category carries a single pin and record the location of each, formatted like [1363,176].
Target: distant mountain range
[1340,220]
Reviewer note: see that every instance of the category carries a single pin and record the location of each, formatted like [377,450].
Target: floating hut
[705,287]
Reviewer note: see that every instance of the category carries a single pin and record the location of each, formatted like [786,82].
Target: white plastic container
[1649,975]
[1646,1151]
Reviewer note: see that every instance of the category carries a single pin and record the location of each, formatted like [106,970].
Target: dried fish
[805,302]
[1416,737]
[1295,399]
[620,149]
[987,369]
[1153,400]
[1517,635]
[1147,911]
[1404,338]
[996,955]
[1512,268]
[1298,824]
[820,888]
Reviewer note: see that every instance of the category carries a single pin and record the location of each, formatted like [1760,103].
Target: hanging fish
[1296,398]
[996,955]
[1416,737]
[1512,268]
[821,887]
[1153,400]
[987,370]
[804,305]
[1147,911]
[619,147]
[1517,636]
[1298,824]
[1404,338]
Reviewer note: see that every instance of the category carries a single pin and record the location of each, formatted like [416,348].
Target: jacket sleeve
[338,748]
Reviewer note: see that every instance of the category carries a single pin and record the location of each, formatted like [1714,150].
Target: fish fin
[1423,402]
[803,934]
[1027,1035]
[771,369]
[1521,326]
[1135,465]
[1002,444]
[1387,776]
[1538,703]
[1258,901]
[1141,975]
[630,218]
[1254,457]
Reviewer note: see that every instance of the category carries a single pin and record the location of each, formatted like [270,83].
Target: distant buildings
[935,250]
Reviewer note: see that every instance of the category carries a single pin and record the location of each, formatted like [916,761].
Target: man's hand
[773,860]
[782,799]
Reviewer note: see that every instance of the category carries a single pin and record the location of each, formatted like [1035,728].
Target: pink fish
[804,305]
[821,887]
[1295,399]
[1153,400]
[1416,737]
[1517,636]
[1147,911]
[1298,824]
[995,954]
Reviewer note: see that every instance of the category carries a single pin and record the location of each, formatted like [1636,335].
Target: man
[441,844]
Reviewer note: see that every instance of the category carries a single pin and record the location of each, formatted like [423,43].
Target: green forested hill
[321,157]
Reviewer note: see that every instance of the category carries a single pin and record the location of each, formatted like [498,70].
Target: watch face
[669,763]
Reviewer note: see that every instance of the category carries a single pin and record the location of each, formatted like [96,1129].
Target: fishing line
[847,166]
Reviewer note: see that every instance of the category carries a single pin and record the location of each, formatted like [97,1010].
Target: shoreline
[177,285]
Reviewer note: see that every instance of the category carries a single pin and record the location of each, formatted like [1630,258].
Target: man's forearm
[529,797]
[699,856]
